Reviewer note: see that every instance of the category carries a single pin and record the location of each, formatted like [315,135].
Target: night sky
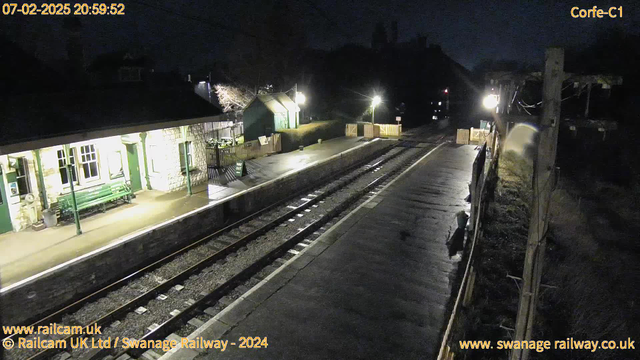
[468,31]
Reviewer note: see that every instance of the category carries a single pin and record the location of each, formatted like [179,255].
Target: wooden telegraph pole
[543,183]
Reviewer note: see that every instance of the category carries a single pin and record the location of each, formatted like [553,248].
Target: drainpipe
[76,216]
[143,139]
[43,191]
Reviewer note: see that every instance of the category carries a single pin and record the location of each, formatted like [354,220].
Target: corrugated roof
[277,102]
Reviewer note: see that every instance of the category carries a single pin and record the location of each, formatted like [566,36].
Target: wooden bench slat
[100,194]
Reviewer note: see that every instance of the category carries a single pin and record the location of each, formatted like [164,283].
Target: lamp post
[74,202]
[374,102]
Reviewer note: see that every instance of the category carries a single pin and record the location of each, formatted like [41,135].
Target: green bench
[94,196]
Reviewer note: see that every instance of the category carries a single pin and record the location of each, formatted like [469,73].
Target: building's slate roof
[41,116]
[276,103]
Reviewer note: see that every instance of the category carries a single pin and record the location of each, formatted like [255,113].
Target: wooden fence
[351,130]
[381,130]
[483,167]
[390,130]
[249,150]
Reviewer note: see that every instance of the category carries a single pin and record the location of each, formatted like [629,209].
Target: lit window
[189,152]
[22,176]
[62,165]
[439,103]
[89,161]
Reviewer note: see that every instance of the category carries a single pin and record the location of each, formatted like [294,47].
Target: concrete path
[27,253]
[374,286]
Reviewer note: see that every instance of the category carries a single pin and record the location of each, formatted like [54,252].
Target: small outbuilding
[269,113]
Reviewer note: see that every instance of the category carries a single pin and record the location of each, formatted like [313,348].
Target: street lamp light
[446,91]
[374,102]
[300,98]
[490,101]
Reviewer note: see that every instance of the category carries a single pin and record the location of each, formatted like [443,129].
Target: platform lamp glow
[374,102]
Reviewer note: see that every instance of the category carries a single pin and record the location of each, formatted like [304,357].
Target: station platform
[375,285]
[29,252]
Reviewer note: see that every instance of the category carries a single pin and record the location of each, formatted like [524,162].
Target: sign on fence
[479,136]
[241,168]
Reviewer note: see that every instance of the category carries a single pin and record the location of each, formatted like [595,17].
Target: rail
[150,294]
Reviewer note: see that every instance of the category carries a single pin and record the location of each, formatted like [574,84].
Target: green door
[5,217]
[134,167]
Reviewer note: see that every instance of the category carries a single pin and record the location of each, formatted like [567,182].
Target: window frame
[74,166]
[110,156]
[23,163]
[189,149]
[86,159]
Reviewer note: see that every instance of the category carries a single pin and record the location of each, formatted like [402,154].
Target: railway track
[203,278]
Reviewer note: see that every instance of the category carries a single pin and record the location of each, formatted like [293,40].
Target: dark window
[89,160]
[181,151]
[62,165]
[22,176]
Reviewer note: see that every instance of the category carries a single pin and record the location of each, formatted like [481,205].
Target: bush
[309,134]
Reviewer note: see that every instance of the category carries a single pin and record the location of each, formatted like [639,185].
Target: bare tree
[233,98]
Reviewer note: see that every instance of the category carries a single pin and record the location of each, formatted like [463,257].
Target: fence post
[542,188]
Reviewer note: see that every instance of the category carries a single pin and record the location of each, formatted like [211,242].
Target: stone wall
[163,149]
[54,288]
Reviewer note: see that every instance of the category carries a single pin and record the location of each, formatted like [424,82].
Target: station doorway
[5,216]
[134,167]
